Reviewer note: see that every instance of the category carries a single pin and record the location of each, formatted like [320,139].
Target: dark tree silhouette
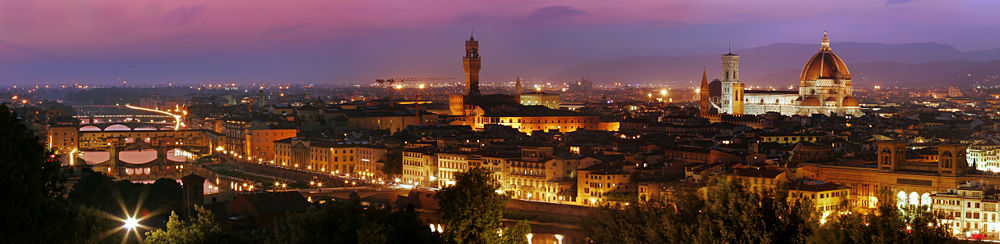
[472,210]
[32,205]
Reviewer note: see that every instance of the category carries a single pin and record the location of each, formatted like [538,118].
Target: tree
[392,163]
[889,223]
[32,205]
[731,214]
[350,222]
[725,213]
[472,210]
[199,229]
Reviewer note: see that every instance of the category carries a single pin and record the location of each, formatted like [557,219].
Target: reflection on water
[95,157]
[136,156]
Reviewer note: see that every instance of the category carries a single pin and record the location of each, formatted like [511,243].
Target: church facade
[824,88]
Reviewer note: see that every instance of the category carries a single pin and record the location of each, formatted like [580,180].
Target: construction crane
[391,84]
[394,84]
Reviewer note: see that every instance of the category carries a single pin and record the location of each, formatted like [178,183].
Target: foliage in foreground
[889,224]
[727,213]
[351,222]
[472,210]
[199,229]
[33,208]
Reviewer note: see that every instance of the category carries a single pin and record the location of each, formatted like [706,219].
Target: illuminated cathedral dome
[811,101]
[849,101]
[825,65]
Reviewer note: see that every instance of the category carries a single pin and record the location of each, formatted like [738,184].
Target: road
[292,175]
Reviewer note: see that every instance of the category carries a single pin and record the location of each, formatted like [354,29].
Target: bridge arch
[145,127]
[117,127]
[138,156]
[90,128]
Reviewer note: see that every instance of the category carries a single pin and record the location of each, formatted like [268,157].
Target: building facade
[970,210]
[824,88]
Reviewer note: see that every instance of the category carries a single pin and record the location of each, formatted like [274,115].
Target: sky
[356,41]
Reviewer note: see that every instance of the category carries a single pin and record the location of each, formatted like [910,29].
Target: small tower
[951,159]
[825,43]
[890,154]
[703,94]
[732,89]
[260,99]
[193,191]
[517,90]
[471,65]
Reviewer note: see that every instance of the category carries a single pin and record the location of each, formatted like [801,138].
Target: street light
[130,223]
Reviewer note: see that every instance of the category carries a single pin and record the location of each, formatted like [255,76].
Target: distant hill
[917,64]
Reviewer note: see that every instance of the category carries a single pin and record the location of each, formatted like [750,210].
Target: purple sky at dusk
[326,41]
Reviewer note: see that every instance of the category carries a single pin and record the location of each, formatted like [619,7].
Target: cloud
[22,49]
[551,13]
[892,2]
[183,15]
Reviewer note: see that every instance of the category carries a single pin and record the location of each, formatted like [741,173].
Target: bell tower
[517,90]
[471,65]
[732,89]
[705,105]
[951,159]
[890,154]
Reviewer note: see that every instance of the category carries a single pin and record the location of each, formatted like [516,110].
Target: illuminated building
[760,180]
[704,105]
[789,138]
[909,179]
[62,139]
[448,165]
[594,182]
[825,197]
[471,64]
[824,88]
[540,98]
[984,157]
[970,210]
[419,167]
[370,161]
[532,118]
[478,110]
[261,141]
[391,120]
[732,90]
[539,175]
[327,156]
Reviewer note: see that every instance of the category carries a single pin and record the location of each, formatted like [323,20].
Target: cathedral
[824,88]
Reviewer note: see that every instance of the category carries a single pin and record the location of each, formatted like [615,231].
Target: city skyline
[547,122]
[319,42]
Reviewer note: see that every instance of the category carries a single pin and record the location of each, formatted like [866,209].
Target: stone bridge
[162,141]
[126,126]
